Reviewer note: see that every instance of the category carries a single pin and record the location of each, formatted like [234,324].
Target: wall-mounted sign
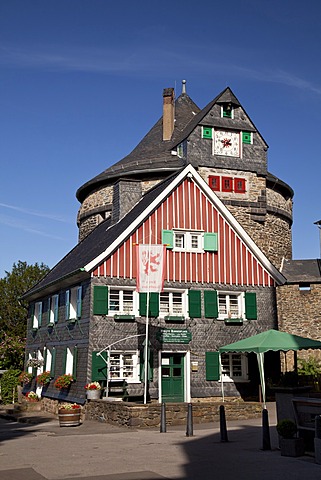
[174,335]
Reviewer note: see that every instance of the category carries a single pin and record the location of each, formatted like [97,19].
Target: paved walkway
[97,451]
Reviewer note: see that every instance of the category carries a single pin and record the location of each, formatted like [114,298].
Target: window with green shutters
[153,304]
[100,303]
[210,304]
[168,238]
[53,362]
[250,306]
[194,303]
[99,366]
[212,366]
[150,373]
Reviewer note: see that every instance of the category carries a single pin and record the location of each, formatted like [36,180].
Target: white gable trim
[189,171]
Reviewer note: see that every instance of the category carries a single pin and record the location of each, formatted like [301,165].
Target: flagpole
[146,330]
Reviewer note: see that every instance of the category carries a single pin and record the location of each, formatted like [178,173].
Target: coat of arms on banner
[150,267]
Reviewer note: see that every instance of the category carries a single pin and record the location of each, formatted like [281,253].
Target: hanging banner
[150,267]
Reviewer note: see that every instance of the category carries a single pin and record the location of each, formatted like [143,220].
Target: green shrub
[8,383]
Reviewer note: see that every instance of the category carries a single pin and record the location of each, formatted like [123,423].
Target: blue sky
[81,83]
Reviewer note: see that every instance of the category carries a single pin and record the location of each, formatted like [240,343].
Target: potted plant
[25,378]
[69,414]
[44,378]
[64,381]
[290,444]
[32,396]
[93,390]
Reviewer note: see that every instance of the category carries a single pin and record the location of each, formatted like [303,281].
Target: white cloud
[34,213]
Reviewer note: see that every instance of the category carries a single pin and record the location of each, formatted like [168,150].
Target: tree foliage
[14,310]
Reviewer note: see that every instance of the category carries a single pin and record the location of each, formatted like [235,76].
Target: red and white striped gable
[192,206]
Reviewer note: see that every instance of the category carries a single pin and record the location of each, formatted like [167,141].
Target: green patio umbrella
[271,340]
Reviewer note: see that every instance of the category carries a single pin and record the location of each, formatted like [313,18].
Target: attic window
[207,132]
[227,110]
[304,287]
[214,182]
[247,137]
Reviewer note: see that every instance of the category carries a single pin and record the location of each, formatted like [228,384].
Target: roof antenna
[183,87]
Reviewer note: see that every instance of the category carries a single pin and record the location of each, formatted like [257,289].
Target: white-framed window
[173,303]
[48,363]
[188,241]
[73,304]
[230,305]
[122,301]
[54,305]
[69,361]
[234,367]
[37,315]
[124,365]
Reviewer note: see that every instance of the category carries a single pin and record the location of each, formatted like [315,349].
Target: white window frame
[48,361]
[69,362]
[172,305]
[232,358]
[37,315]
[123,309]
[232,112]
[53,301]
[73,297]
[188,237]
[117,370]
[228,301]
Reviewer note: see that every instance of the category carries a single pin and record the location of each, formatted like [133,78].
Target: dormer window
[227,110]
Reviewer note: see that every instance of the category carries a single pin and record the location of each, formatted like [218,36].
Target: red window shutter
[239,185]
[214,182]
[227,184]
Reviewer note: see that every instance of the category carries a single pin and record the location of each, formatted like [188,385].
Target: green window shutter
[44,358]
[67,304]
[247,137]
[74,363]
[79,302]
[153,304]
[99,366]
[56,307]
[207,132]
[250,306]
[32,314]
[53,362]
[64,362]
[212,366]
[194,303]
[210,304]
[168,238]
[100,300]
[210,242]
[48,309]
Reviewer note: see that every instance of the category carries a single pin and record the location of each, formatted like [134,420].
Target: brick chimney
[168,113]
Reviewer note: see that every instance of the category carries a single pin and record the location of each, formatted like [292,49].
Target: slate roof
[153,154]
[71,268]
[302,271]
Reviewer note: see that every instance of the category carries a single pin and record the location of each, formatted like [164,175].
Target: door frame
[186,369]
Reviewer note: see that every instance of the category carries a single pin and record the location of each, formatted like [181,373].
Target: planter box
[292,447]
[69,418]
[233,321]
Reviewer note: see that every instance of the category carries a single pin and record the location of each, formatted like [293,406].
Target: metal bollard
[163,419]
[189,427]
[223,429]
[266,430]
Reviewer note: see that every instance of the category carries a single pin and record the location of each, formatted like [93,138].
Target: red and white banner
[150,267]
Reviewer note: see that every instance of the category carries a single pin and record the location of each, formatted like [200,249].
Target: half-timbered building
[197,184]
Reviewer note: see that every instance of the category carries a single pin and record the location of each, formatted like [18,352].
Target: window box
[72,320]
[174,318]
[51,324]
[124,317]
[233,321]
[34,329]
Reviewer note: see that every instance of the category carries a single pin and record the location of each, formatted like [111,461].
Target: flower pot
[69,418]
[93,394]
[292,447]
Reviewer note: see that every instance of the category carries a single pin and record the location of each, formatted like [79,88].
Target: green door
[172,377]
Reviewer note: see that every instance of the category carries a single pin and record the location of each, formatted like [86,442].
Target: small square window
[214,182]
[247,137]
[179,240]
[227,184]
[239,185]
[207,132]
[227,110]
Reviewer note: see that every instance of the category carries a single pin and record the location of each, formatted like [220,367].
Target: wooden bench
[305,411]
